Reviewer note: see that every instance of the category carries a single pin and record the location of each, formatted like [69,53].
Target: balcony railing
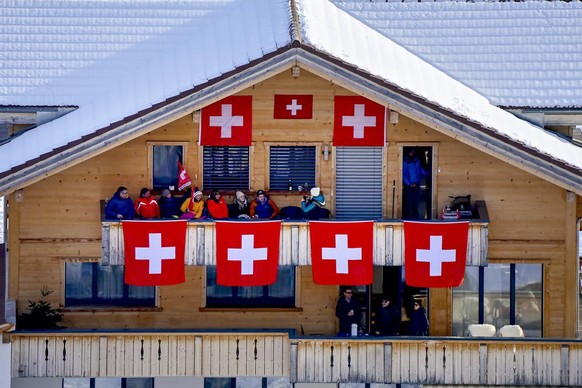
[295,250]
[426,360]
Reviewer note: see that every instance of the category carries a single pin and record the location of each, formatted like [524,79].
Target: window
[279,294]
[164,160]
[500,294]
[92,284]
[291,164]
[108,382]
[226,168]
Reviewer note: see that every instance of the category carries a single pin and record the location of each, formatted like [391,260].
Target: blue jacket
[412,171]
[118,205]
[312,203]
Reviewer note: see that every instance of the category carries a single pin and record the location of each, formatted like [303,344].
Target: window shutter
[295,164]
[226,168]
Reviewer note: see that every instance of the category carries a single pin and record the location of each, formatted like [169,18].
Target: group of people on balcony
[387,318]
[120,206]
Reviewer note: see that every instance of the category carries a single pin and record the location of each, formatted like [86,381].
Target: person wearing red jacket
[146,206]
[216,206]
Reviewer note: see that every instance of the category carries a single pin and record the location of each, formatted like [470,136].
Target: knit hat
[240,195]
[315,191]
[260,192]
[165,192]
[198,193]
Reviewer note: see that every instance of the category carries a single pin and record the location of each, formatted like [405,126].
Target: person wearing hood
[120,206]
[263,207]
[313,205]
[169,205]
[193,206]
[240,208]
[216,206]
[146,206]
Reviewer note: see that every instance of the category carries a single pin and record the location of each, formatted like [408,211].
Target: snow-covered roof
[116,59]
[517,54]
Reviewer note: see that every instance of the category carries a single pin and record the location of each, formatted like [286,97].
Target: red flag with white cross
[341,252]
[228,122]
[293,106]
[358,122]
[435,253]
[154,252]
[247,253]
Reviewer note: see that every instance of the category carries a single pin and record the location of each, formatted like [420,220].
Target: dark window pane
[291,164]
[165,165]
[226,168]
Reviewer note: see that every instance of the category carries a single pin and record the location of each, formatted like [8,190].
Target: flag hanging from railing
[435,254]
[154,252]
[341,252]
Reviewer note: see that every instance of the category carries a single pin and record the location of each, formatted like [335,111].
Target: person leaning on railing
[120,206]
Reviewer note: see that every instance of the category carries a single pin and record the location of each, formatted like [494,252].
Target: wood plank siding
[450,361]
[201,244]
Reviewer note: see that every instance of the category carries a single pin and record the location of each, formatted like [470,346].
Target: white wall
[179,382]
[43,382]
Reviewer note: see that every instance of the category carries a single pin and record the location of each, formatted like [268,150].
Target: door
[358,183]
[417,182]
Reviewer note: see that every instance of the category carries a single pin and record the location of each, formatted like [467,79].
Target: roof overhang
[345,75]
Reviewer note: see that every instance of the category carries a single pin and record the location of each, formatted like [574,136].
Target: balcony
[295,250]
[427,360]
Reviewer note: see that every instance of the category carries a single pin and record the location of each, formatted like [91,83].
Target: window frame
[94,301]
[151,145]
[318,157]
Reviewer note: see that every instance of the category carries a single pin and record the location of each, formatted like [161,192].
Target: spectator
[348,311]
[193,206]
[387,319]
[418,324]
[169,205]
[313,205]
[412,173]
[146,206]
[120,206]
[240,208]
[263,207]
[216,206]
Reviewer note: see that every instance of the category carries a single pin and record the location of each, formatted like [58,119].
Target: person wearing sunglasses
[348,310]
[418,324]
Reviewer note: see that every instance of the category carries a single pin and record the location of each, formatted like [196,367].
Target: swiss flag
[435,253]
[358,122]
[227,122]
[293,106]
[341,252]
[154,252]
[247,253]
[183,177]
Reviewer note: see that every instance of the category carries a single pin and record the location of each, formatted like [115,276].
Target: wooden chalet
[525,183]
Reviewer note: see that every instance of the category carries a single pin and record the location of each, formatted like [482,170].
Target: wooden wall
[59,218]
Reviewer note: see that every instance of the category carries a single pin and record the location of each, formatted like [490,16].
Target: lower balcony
[426,360]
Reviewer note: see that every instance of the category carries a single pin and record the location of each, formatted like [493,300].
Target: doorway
[417,182]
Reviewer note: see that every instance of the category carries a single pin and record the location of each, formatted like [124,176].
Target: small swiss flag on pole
[358,122]
[293,106]
[247,253]
[183,177]
[228,122]
[154,252]
[435,253]
[341,252]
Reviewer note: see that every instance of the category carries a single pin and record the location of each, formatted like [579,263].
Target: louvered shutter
[358,183]
[225,168]
[295,164]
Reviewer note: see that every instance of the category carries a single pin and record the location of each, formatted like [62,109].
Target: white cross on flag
[154,252]
[358,122]
[435,253]
[247,253]
[293,106]
[227,122]
[341,252]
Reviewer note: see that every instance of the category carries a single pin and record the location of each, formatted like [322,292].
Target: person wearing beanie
[193,207]
[263,207]
[120,206]
[169,205]
[146,206]
[240,208]
[313,205]
[216,206]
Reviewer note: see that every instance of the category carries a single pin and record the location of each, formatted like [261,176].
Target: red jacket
[147,207]
[218,209]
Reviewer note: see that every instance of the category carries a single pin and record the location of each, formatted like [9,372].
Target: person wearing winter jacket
[313,205]
[418,324]
[146,206]
[169,205]
[216,206]
[120,206]
[240,208]
[193,206]
[263,207]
